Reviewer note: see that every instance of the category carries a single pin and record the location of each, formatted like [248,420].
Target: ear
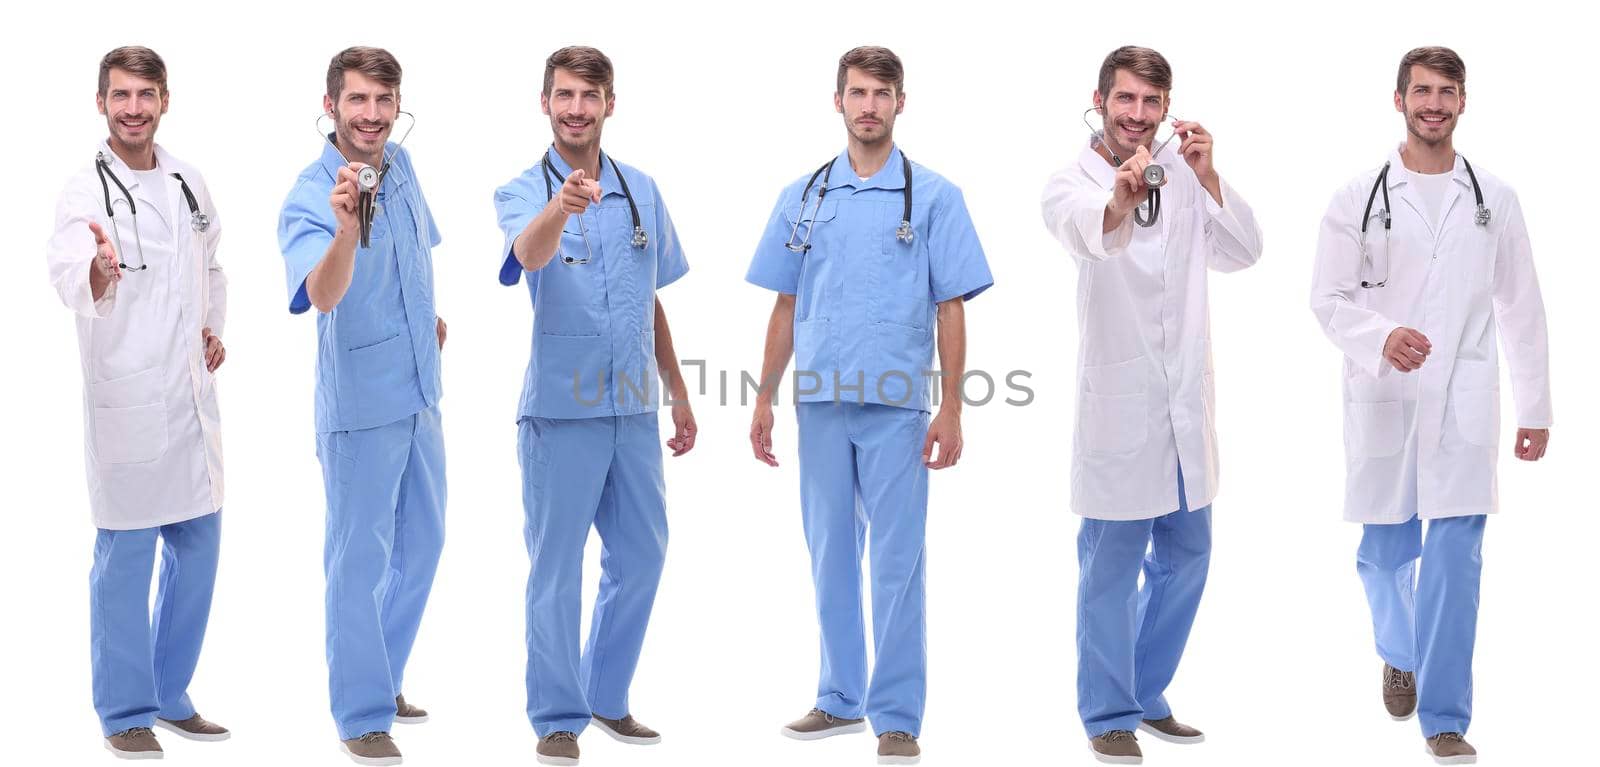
[544,103]
[327,105]
[1399,103]
[900,103]
[1463,108]
[611,105]
[838,103]
[1099,102]
[100,103]
[166,101]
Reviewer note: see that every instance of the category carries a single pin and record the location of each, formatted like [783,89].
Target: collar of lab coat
[608,179]
[162,198]
[891,176]
[333,160]
[1400,178]
[1400,181]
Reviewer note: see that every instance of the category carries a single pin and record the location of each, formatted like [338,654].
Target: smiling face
[363,116]
[1431,103]
[1131,112]
[869,106]
[133,107]
[577,110]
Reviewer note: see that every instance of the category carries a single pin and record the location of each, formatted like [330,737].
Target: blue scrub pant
[1130,638]
[603,473]
[1427,624]
[863,484]
[386,499]
[141,663]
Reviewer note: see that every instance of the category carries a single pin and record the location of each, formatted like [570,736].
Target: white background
[724,105]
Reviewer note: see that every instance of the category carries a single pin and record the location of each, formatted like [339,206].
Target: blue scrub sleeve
[305,230]
[670,262]
[957,267]
[774,266]
[514,209]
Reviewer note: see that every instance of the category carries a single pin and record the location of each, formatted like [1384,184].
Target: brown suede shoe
[374,748]
[819,724]
[195,728]
[1172,731]
[1399,693]
[628,730]
[558,748]
[898,747]
[134,743]
[1451,748]
[1116,747]
[405,713]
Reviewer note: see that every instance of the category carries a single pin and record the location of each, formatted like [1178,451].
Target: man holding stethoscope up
[1412,292]
[592,239]
[1144,456]
[134,255]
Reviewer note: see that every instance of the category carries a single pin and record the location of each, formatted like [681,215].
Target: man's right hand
[1128,191]
[345,197]
[578,192]
[1406,349]
[105,270]
[761,434]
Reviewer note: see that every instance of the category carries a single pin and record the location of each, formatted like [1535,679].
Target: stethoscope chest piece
[201,222]
[904,233]
[1154,175]
[1483,216]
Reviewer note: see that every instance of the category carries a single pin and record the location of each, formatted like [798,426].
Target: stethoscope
[368,178]
[1154,175]
[199,221]
[641,239]
[1481,218]
[903,233]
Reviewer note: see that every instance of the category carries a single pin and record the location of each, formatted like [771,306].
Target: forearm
[667,359]
[952,342]
[779,347]
[328,282]
[541,238]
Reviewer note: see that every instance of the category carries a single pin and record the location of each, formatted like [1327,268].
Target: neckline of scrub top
[333,160]
[1396,180]
[891,176]
[562,170]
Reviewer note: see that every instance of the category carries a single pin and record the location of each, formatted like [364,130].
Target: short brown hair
[1435,57]
[375,63]
[1145,64]
[587,63]
[876,61]
[136,60]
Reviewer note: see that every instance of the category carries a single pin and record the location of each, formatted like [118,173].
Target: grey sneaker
[1399,693]
[134,743]
[819,724]
[405,713]
[628,730]
[898,747]
[195,728]
[374,748]
[558,748]
[1172,731]
[1116,747]
[1451,748]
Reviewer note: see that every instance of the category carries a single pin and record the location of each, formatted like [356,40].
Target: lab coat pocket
[1374,429]
[1114,414]
[1475,397]
[135,434]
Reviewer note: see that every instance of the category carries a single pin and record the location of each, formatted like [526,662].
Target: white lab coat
[152,435]
[1145,391]
[1425,443]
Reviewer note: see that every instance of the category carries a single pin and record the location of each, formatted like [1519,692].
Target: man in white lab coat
[1412,294]
[134,256]
[1144,463]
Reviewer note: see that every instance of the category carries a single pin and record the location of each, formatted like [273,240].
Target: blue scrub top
[865,301]
[377,351]
[594,341]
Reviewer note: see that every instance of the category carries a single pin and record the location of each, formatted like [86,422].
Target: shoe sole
[632,740]
[200,736]
[411,719]
[898,759]
[1178,739]
[1463,759]
[120,754]
[1406,718]
[843,729]
[1110,759]
[371,761]
[557,761]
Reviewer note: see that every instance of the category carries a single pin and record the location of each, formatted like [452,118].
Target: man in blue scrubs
[592,239]
[868,254]
[377,400]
